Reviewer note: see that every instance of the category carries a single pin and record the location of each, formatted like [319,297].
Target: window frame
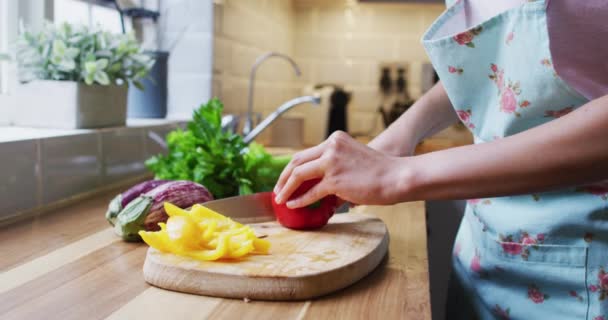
[8,34]
[11,12]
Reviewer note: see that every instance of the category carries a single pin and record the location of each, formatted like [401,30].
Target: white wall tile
[411,49]
[365,98]
[188,31]
[304,21]
[201,15]
[190,15]
[364,123]
[175,15]
[307,68]
[242,58]
[371,47]
[342,20]
[343,72]
[222,54]
[7,109]
[319,45]
[240,25]
[192,53]
[235,96]
[397,19]
[186,93]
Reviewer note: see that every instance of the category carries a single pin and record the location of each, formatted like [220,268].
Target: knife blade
[252,208]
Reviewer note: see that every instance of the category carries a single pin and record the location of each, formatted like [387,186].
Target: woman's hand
[350,170]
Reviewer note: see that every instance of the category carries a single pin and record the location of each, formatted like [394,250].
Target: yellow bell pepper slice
[208,234]
[245,248]
[261,245]
[208,255]
[183,230]
[202,234]
[173,210]
[207,213]
[154,240]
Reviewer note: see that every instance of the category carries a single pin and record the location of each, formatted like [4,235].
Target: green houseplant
[76,77]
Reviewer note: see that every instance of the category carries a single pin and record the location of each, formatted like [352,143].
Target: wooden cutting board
[301,264]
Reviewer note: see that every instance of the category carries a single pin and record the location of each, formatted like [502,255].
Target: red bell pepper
[313,216]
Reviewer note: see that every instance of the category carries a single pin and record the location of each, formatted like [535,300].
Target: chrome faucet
[314,99]
[247,128]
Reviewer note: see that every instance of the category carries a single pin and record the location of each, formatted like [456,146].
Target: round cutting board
[301,264]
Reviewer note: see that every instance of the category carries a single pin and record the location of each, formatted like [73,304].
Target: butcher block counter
[68,264]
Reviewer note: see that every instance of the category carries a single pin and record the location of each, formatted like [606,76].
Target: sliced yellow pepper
[203,234]
[245,248]
[155,240]
[261,245]
[173,210]
[215,254]
[208,234]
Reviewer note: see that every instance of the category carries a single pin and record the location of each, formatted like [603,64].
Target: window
[4,43]
[34,12]
[87,13]
[8,33]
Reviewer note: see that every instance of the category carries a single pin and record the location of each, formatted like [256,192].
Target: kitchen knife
[253,208]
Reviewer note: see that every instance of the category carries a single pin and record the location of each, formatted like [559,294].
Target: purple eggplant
[147,210]
[123,199]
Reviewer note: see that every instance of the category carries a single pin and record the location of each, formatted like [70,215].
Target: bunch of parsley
[217,159]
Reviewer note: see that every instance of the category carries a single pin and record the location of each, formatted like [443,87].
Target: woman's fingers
[298,159]
[316,193]
[307,171]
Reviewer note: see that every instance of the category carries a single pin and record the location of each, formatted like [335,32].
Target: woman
[529,79]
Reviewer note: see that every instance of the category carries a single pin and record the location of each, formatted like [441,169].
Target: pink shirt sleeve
[578,34]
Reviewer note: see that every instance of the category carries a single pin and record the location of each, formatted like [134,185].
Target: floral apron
[536,256]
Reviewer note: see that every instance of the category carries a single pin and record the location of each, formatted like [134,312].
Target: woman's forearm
[568,151]
[432,113]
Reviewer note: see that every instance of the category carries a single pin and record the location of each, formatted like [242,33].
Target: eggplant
[147,210]
[122,200]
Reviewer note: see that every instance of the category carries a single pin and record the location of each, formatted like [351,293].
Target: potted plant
[76,77]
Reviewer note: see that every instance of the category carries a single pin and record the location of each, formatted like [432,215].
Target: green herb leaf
[90,67]
[102,64]
[102,78]
[219,160]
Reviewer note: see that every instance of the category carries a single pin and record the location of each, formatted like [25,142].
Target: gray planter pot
[152,101]
[70,105]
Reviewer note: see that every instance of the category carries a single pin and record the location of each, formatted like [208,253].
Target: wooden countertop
[68,264]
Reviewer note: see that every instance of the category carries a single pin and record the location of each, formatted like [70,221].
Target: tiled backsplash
[243,31]
[19,177]
[69,165]
[345,42]
[42,171]
[334,41]
[187,31]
